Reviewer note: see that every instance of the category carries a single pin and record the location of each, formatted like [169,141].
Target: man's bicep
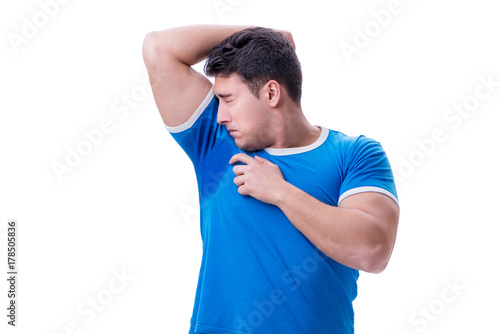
[373,203]
[378,205]
[178,89]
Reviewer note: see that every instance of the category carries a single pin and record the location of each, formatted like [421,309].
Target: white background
[130,204]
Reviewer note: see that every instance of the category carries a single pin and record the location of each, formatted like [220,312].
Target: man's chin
[246,147]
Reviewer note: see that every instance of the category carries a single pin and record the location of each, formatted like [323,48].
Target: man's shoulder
[349,141]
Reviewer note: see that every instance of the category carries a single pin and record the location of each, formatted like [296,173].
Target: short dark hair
[257,55]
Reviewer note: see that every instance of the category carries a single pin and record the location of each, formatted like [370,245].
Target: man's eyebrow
[223,96]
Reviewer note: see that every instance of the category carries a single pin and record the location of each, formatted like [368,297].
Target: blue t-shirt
[259,274]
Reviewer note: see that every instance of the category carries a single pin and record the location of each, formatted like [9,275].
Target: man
[307,206]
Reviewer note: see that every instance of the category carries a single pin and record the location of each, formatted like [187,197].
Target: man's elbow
[372,259]
[376,258]
[378,247]
[156,46]
[150,46]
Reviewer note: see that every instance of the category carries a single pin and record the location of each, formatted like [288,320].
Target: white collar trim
[296,150]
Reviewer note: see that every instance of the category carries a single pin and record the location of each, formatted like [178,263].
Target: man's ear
[272,93]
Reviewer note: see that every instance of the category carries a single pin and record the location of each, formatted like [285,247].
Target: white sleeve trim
[367,189]
[194,116]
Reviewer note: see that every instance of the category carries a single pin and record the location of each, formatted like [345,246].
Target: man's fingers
[241,157]
[239,181]
[241,185]
[239,169]
[288,35]
[243,191]
[267,162]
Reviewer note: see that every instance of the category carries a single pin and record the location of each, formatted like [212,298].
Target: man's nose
[223,116]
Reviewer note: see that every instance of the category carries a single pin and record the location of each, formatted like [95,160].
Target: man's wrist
[283,193]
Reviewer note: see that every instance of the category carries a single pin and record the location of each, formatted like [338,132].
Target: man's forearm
[190,44]
[360,233]
[349,236]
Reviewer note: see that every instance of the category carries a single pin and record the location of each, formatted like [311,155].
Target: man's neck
[294,130]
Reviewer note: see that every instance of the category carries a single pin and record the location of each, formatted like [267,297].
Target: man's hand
[258,178]
[359,233]
[288,35]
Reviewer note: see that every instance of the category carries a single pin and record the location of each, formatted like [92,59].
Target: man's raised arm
[169,54]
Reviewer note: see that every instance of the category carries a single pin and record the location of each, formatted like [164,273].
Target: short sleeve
[198,135]
[367,170]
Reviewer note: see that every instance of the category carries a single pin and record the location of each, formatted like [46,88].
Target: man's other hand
[258,177]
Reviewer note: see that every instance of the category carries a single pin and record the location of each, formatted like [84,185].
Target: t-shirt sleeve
[199,134]
[367,170]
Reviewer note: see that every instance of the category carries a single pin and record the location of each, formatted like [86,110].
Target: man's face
[247,118]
